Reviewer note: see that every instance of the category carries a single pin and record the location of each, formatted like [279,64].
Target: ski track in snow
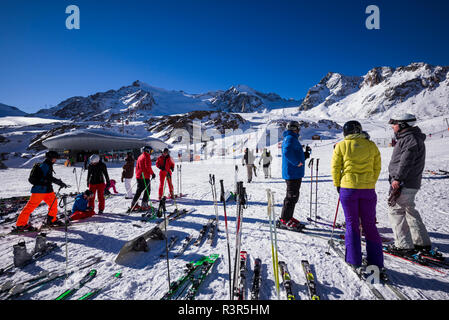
[145,273]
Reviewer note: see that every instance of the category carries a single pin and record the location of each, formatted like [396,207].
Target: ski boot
[21,256]
[41,243]
[53,222]
[23,229]
[292,225]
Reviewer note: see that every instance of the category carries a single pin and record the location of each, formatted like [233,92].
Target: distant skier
[97,181]
[143,174]
[355,168]
[292,172]
[405,175]
[127,174]
[81,208]
[248,161]
[266,159]
[41,177]
[166,164]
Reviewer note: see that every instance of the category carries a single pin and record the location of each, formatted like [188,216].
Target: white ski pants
[408,227]
[129,190]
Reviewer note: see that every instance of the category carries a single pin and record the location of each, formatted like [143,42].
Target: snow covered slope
[145,274]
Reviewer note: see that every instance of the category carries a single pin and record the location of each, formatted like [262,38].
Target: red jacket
[143,165]
[165,163]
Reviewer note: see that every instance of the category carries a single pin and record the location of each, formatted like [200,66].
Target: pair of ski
[194,275]
[12,290]
[209,226]
[383,281]
[86,279]
[433,262]
[288,284]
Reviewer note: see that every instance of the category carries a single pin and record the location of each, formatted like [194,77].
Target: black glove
[338,190]
[153,176]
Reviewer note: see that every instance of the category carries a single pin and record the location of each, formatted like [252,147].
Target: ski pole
[333,226]
[214,196]
[169,181]
[311,187]
[273,247]
[222,199]
[166,250]
[316,189]
[148,192]
[76,179]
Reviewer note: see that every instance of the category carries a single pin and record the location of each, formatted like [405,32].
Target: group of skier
[355,168]
[98,182]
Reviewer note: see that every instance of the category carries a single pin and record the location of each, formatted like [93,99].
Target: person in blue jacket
[81,209]
[293,160]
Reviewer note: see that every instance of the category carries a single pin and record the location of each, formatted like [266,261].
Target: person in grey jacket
[405,175]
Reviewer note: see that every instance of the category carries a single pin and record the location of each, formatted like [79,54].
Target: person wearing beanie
[355,169]
[41,177]
[144,173]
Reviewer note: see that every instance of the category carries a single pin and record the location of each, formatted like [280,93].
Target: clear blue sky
[282,46]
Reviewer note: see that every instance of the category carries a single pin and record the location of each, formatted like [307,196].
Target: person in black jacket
[97,180]
[42,190]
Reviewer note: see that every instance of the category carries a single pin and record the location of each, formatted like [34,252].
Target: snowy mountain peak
[419,88]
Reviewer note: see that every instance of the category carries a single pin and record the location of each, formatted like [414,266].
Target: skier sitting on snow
[42,190]
[81,209]
[166,164]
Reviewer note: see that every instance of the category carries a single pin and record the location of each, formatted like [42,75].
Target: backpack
[36,174]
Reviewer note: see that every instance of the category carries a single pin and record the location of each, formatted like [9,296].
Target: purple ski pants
[359,206]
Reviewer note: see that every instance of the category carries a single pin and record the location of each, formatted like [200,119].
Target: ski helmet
[293,125]
[166,151]
[404,120]
[95,158]
[352,127]
[52,155]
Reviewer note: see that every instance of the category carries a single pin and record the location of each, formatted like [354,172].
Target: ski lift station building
[81,143]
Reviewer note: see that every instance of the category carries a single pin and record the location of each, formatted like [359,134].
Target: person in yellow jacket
[355,169]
